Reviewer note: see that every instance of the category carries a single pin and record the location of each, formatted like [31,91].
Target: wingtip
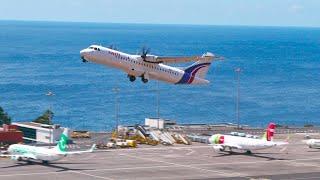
[93,147]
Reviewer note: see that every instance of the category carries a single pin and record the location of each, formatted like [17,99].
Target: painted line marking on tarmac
[197,164]
[146,149]
[254,162]
[91,175]
[191,151]
[317,177]
[299,164]
[128,168]
[28,174]
[187,166]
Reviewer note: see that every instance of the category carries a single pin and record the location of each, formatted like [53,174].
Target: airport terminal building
[40,133]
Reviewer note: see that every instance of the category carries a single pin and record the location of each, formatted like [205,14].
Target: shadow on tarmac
[258,155]
[52,165]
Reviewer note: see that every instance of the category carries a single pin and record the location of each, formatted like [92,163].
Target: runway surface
[198,161]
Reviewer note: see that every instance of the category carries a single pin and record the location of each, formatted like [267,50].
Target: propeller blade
[112,46]
[144,52]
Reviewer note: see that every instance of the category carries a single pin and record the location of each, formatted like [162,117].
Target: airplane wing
[233,146]
[80,152]
[167,60]
[207,56]
[280,143]
[27,156]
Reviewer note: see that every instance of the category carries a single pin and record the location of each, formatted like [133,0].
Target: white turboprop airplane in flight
[229,143]
[149,66]
[20,152]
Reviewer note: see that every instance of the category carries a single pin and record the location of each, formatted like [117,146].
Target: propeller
[112,46]
[144,52]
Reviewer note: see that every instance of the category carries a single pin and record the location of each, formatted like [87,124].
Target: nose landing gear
[83,59]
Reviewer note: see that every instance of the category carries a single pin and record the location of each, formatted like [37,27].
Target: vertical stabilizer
[268,135]
[197,70]
[62,144]
[201,67]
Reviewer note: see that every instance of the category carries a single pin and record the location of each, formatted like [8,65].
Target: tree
[45,118]
[4,117]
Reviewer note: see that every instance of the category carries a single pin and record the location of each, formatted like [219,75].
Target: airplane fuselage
[39,153]
[249,143]
[135,66]
[242,143]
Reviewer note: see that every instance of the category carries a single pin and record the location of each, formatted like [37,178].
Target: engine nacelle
[16,158]
[218,148]
[151,59]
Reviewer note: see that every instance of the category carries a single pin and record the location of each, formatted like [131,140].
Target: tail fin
[201,67]
[62,144]
[268,135]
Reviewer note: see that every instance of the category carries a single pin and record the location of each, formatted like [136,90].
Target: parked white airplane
[149,66]
[21,152]
[313,143]
[230,142]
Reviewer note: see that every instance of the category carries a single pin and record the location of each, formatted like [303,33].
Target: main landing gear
[45,162]
[144,80]
[131,78]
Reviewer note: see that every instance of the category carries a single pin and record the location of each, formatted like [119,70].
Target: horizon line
[145,23]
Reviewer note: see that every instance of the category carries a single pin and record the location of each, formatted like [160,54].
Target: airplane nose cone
[83,52]
[210,140]
[82,55]
[309,142]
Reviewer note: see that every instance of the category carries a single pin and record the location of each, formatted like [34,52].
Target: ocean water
[280,78]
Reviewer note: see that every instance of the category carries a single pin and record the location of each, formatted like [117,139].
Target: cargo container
[11,137]
[7,127]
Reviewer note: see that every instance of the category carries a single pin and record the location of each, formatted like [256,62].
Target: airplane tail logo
[196,70]
[62,144]
[268,135]
[216,139]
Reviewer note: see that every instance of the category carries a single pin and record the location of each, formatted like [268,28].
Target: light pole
[50,94]
[238,70]
[116,107]
[158,103]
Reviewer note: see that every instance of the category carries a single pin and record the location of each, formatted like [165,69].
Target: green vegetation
[308,125]
[45,118]
[4,117]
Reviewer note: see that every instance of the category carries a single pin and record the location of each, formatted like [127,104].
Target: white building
[158,122]
[41,133]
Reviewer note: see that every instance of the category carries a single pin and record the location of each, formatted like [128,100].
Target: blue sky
[213,12]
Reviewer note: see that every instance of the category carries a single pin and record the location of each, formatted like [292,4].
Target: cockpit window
[94,48]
